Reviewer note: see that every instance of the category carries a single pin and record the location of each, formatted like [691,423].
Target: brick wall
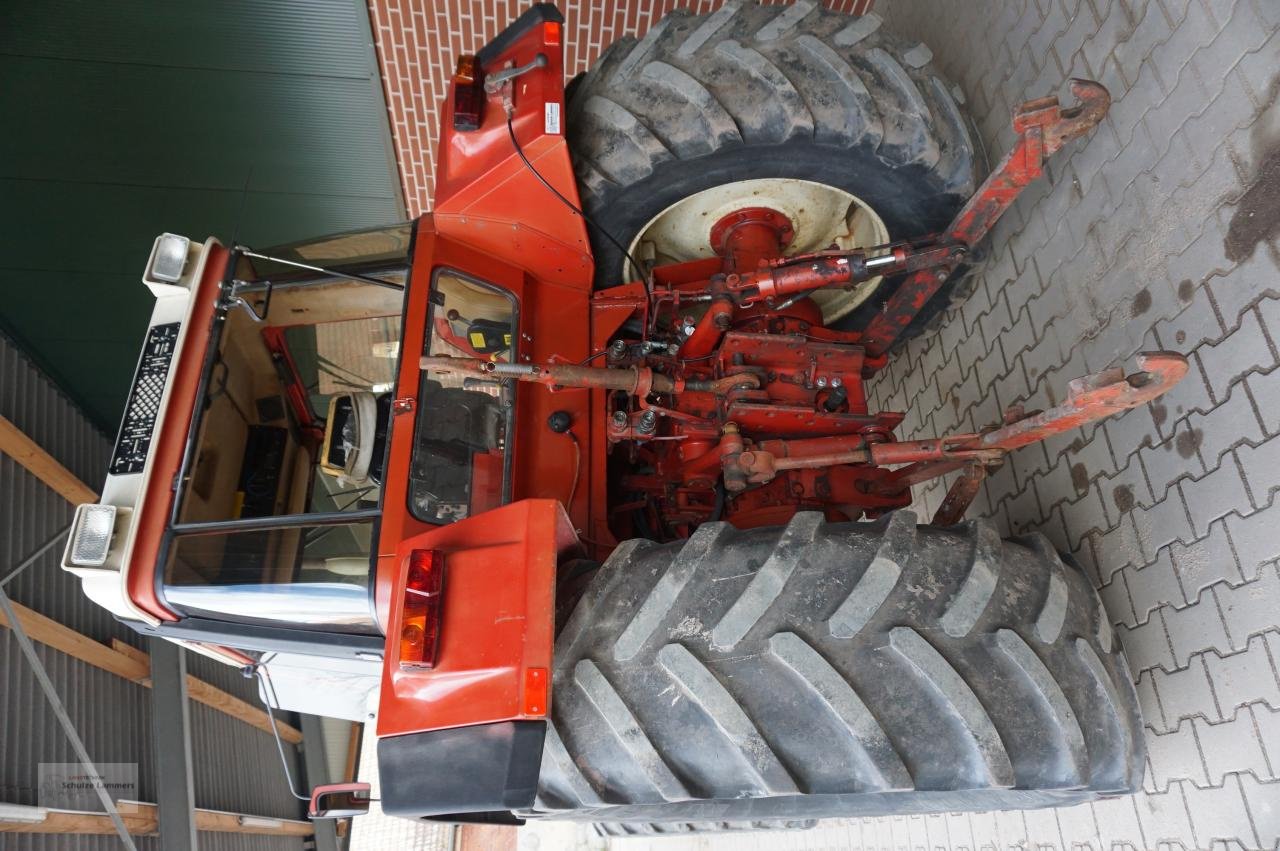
[418,42]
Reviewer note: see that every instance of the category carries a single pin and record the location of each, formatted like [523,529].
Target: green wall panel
[260,120]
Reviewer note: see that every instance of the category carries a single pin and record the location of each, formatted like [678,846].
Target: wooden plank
[141,822]
[135,653]
[53,634]
[139,656]
[135,665]
[15,443]
[220,822]
[143,819]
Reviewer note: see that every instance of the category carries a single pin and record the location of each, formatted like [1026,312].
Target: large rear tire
[835,670]
[769,92]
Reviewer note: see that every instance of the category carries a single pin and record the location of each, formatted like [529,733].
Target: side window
[461,451]
[296,576]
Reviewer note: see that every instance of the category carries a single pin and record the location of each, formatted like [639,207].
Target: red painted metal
[499,593]
[747,237]
[1094,397]
[1090,398]
[1043,127]
[486,196]
[960,495]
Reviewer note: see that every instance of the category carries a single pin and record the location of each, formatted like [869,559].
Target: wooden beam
[140,656]
[143,819]
[15,443]
[49,632]
[219,822]
[141,822]
[134,665]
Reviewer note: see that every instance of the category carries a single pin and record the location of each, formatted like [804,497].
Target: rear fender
[485,195]
[498,622]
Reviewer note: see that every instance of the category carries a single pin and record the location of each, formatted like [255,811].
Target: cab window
[461,463]
[302,576]
[282,483]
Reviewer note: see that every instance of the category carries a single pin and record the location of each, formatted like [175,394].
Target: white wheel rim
[820,215]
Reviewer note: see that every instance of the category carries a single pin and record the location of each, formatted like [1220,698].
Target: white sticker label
[552,123]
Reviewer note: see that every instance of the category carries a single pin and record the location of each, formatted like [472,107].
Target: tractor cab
[283,449]
[284,461]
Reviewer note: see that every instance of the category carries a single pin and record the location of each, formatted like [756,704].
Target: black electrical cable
[717,508]
[511,131]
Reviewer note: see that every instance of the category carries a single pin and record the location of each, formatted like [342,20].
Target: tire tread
[731,701]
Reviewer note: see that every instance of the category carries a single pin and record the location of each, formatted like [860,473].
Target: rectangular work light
[91,535]
[168,258]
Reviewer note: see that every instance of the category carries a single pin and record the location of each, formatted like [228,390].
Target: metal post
[171,739]
[317,773]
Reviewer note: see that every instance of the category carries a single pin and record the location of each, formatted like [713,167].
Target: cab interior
[259,436]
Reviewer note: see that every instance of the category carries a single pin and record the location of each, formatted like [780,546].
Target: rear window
[461,445]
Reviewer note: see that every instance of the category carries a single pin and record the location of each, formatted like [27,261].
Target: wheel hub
[818,215]
[745,237]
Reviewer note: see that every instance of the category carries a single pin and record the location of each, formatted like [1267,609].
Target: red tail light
[423,596]
[468,93]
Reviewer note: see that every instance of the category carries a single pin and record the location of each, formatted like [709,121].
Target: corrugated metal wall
[235,766]
[130,118]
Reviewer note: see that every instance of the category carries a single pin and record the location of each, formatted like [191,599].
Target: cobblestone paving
[1158,232]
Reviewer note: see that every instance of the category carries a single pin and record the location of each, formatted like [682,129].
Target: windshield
[291,438]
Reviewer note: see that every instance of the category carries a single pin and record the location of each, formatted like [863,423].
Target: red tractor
[573,483]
